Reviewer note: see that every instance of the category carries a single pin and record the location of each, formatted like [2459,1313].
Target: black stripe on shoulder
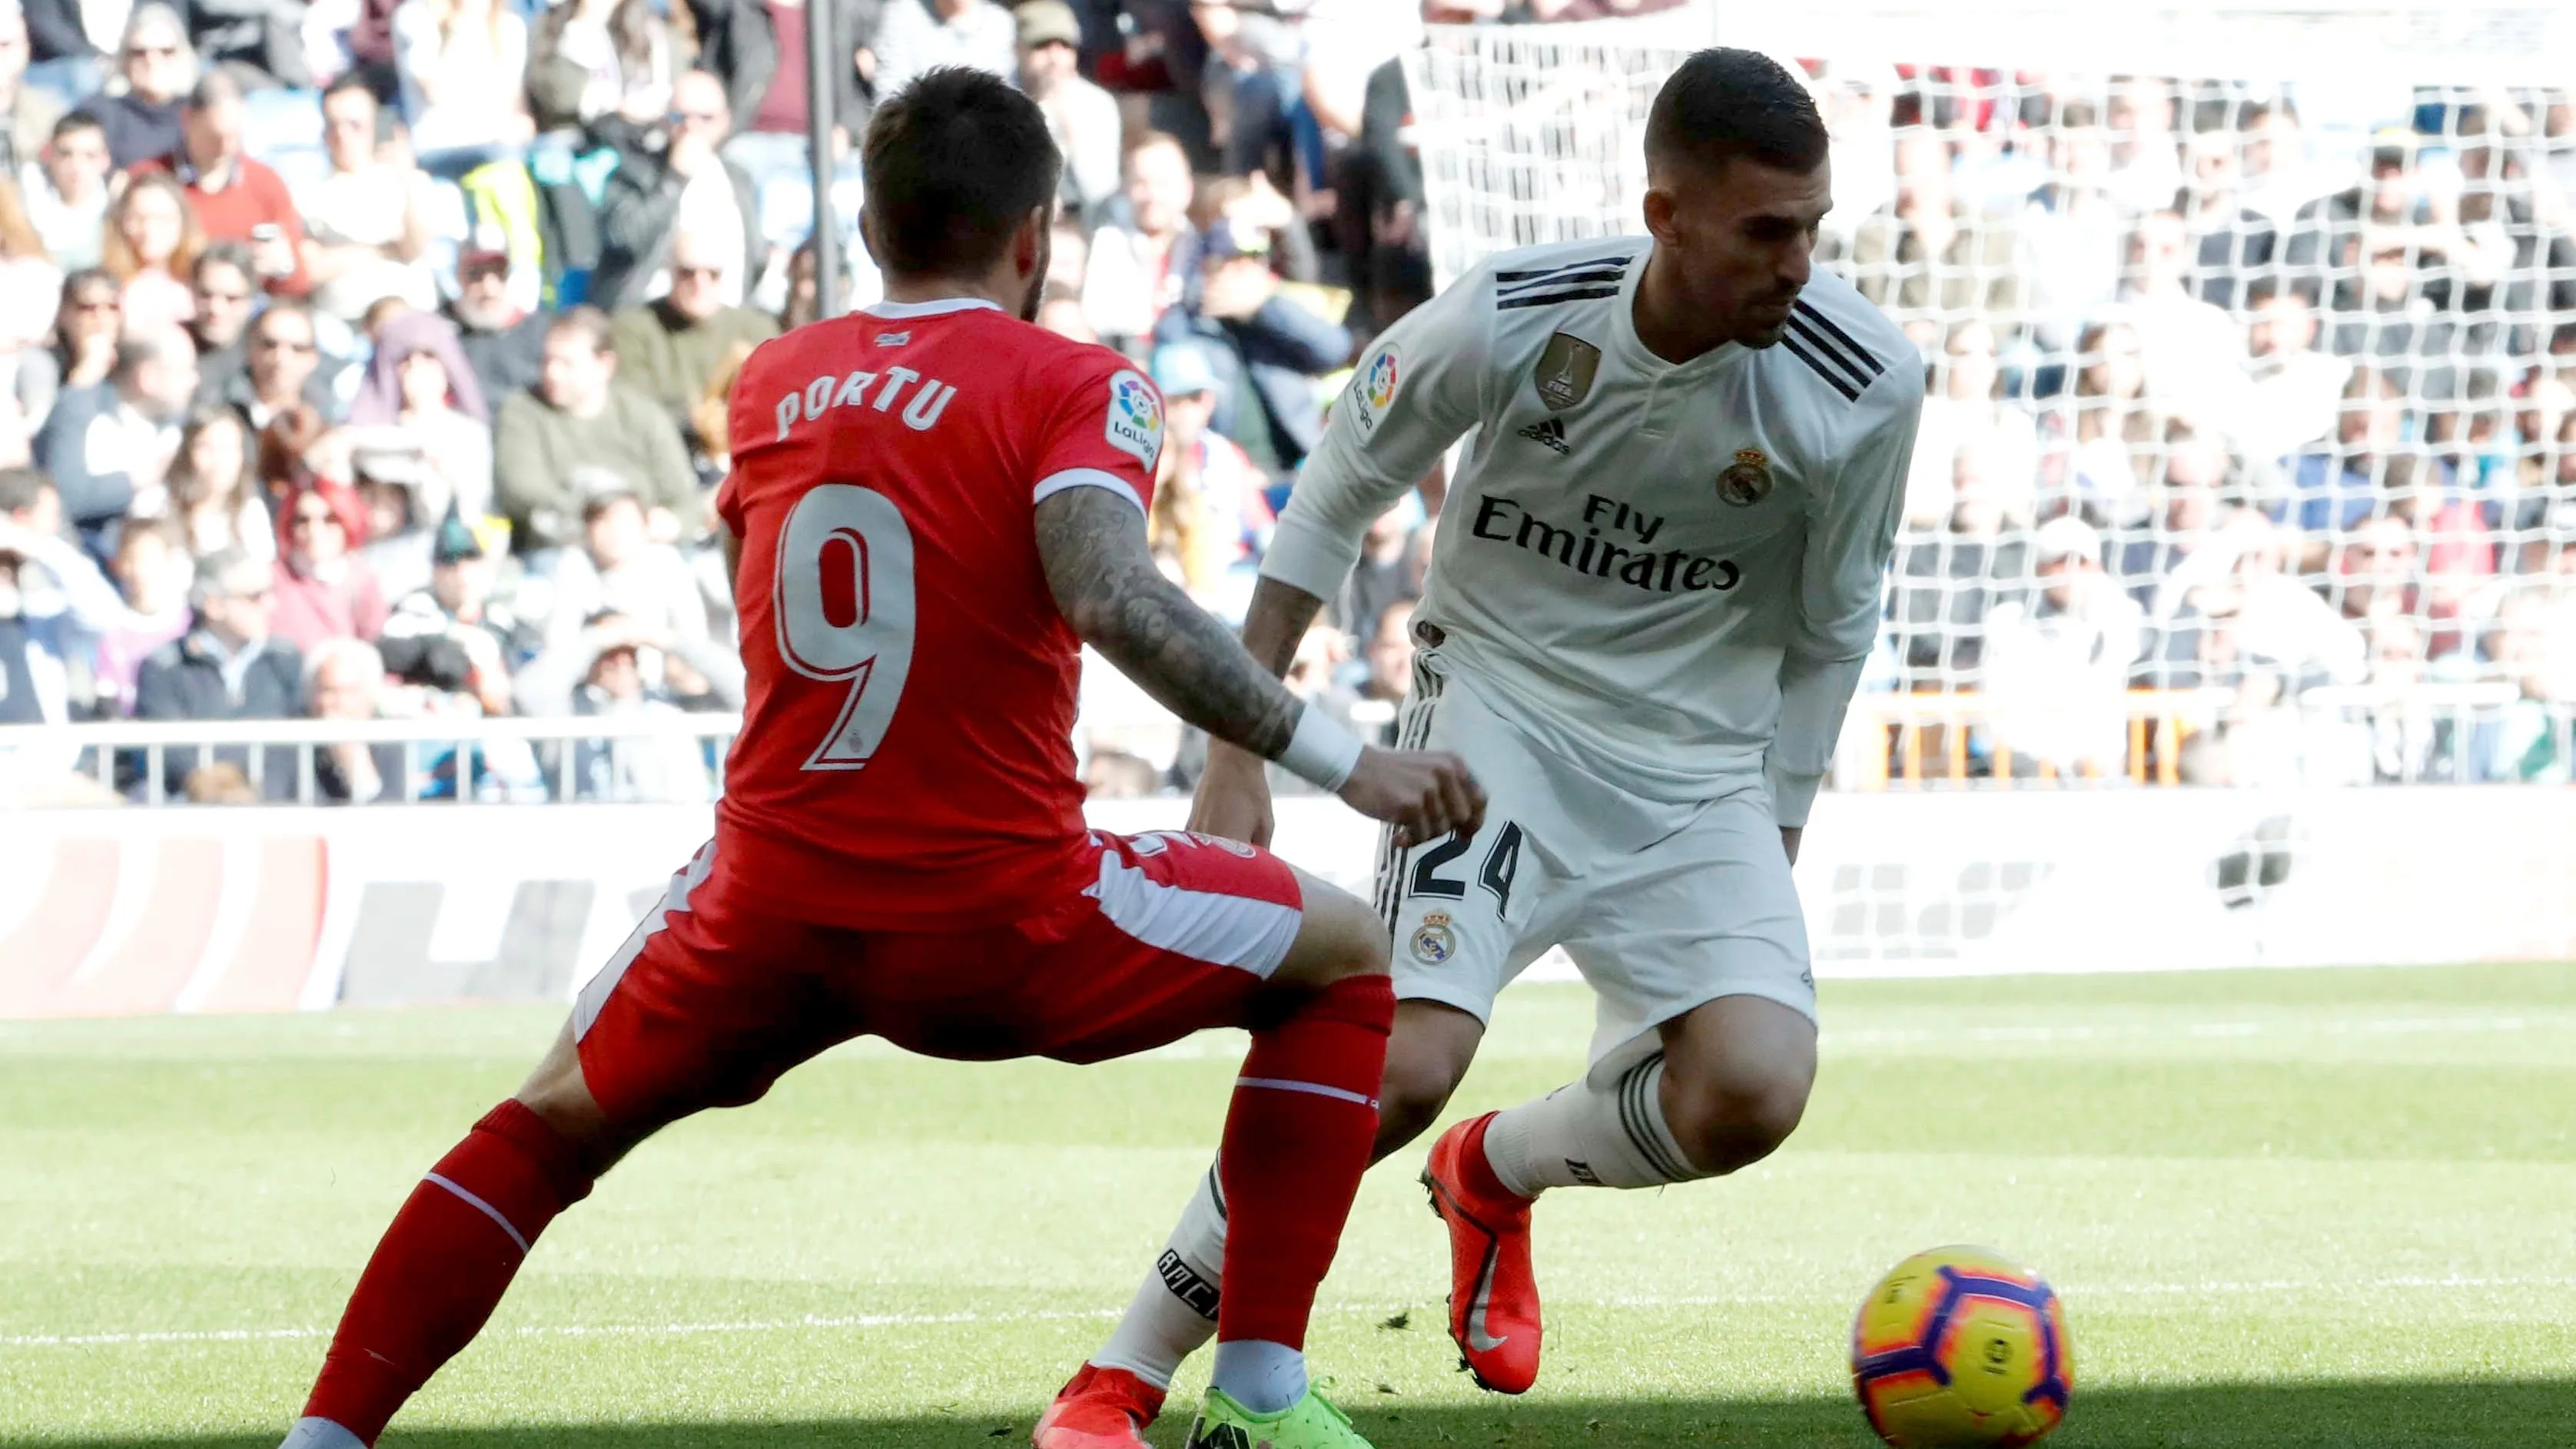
[1549,299]
[1587,264]
[1815,341]
[1840,383]
[1817,316]
[1563,279]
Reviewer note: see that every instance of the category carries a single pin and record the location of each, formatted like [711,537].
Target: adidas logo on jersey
[1550,431]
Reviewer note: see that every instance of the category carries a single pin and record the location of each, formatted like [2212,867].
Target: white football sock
[1585,1135]
[1266,1378]
[1174,1310]
[320,1434]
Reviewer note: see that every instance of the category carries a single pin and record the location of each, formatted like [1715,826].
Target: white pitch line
[2197,1030]
[936,1320]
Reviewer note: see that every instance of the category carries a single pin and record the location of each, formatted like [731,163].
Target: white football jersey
[1669,573]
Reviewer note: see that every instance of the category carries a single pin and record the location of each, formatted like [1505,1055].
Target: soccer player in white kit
[1658,571]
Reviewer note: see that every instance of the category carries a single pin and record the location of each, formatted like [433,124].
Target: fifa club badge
[1565,371]
[1435,942]
[1749,481]
[1374,389]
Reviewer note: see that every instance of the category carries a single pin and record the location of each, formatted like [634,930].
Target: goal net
[2249,454]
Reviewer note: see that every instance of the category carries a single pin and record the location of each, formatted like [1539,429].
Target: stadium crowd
[369,361]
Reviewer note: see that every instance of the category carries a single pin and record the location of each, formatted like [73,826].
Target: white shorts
[1661,906]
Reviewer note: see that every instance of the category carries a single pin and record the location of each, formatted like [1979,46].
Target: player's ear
[1029,243]
[868,234]
[1659,207]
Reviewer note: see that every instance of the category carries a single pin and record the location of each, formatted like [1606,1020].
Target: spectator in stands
[401,532]
[222,289]
[2232,245]
[211,497]
[2336,488]
[344,681]
[1966,406]
[2278,179]
[1930,250]
[1267,347]
[419,389]
[2146,165]
[2375,571]
[324,589]
[157,66]
[2271,639]
[1949,581]
[463,66]
[367,221]
[1390,655]
[86,327]
[2185,508]
[575,416]
[67,192]
[688,187]
[2296,390]
[756,48]
[669,350]
[2101,443]
[504,346]
[458,606]
[54,604]
[1142,264]
[152,244]
[152,569]
[2057,663]
[235,196]
[104,445]
[598,62]
[1210,518]
[620,568]
[616,669]
[228,666]
[2072,234]
[2192,353]
[913,36]
[285,368]
[68,42]
[1081,115]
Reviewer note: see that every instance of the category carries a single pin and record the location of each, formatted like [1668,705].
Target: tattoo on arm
[1092,545]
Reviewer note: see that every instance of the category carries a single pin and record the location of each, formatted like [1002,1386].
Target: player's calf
[1426,1058]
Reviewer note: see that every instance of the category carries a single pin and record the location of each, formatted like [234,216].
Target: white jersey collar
[936,307]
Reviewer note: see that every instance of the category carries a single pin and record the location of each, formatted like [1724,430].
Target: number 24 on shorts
[1502,861]
[844,601]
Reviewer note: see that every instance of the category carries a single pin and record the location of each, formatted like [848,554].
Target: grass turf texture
[2330,1208]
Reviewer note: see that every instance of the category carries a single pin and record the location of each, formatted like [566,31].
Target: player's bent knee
[1734,1119]
[1337,937]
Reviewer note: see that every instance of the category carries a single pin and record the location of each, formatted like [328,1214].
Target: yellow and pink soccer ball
[1960,1348]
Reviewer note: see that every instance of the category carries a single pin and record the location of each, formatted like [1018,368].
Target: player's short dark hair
[1724,103]
[78,121]
[586,322]
[353,80]
[955,162]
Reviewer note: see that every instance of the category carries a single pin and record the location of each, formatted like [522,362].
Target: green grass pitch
[2318,1208]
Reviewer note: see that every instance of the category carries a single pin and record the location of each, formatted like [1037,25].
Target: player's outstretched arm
[1233,798]
[1091,542]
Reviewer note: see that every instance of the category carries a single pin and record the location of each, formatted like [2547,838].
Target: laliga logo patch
[1749,481]
[1377,384]
[1135,425]
[1434,942]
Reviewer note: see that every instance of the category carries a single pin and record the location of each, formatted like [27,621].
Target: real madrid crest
[1749,481]
[1434,942]
[1565,370]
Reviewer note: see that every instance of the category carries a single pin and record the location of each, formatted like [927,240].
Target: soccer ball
[1959,1347]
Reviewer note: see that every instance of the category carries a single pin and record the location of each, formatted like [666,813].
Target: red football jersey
[906,757]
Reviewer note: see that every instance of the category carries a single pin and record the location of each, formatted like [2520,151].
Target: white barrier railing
[474,760]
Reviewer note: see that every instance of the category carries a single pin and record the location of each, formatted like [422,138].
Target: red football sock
[444,1264]
[1296,1141]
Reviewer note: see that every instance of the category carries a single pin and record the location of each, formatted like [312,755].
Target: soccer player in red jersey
[933,505]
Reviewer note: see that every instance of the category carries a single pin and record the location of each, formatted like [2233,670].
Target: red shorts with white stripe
[712,999]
